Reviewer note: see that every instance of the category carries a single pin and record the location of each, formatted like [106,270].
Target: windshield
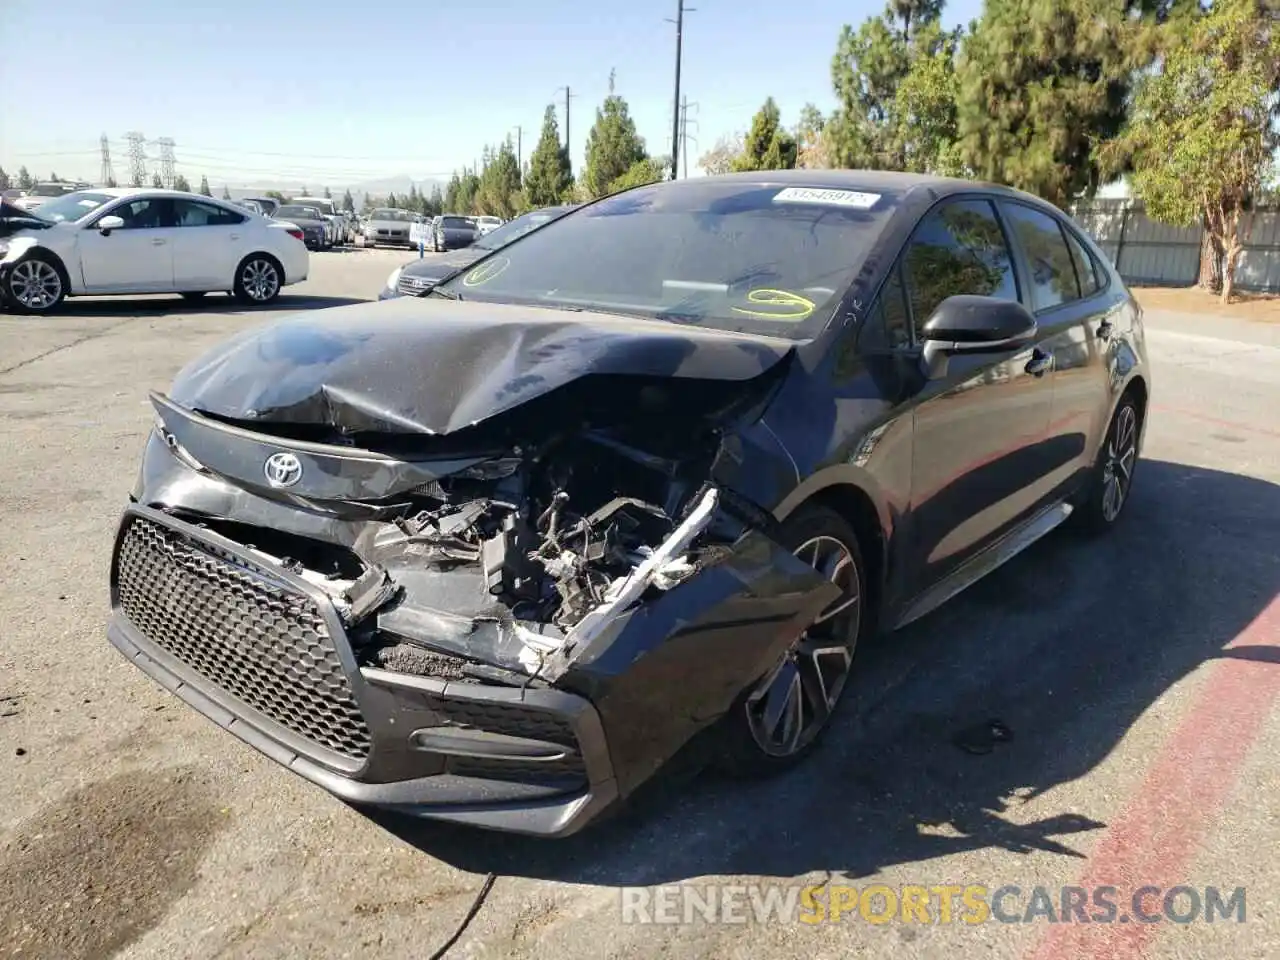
[385,214]
[71,207]
[51,189]
[744,256]
[518,227]
[293,210]
[324,206]
[488,220]
[456,223]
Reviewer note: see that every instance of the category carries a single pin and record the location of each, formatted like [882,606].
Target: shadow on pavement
[1067,645]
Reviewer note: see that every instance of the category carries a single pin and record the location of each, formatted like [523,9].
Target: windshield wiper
[443,294]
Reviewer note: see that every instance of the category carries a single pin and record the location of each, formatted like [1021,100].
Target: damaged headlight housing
[177,449]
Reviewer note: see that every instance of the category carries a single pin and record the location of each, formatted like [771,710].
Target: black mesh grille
[267,646]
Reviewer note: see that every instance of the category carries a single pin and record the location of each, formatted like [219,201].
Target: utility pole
[681,10]
[567,97]
[137,159]
[106,174]
[520,149]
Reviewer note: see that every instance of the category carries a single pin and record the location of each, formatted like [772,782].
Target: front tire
[1101,503]
[779,719]
[258,280]
[35,284]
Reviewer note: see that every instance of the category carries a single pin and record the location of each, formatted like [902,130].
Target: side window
[141,214]
[1053,276]
[958,248]
[191,213]
[886,326]
[1086,269]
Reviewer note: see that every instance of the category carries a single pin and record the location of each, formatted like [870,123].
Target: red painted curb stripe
[1157,836]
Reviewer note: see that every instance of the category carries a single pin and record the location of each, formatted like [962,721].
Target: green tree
[411,202]
[451,193]
[1201,137]
[468,189]
[391,201]
[812,150]
[226,192]
[156,182]
[613,145]
[549,173]
[277,196]
[327,194]
[304,192]
[435,206]
[348,202]
[1041,84]
[204,186]
[180,183]
[648,170]
[874,125]
[54,178]
[4,180]
[498,193]
[767,146]
[368,203]
[25,180]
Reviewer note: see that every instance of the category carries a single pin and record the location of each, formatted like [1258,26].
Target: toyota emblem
[282,469]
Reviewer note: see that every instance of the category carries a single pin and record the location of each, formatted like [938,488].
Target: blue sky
[327,92]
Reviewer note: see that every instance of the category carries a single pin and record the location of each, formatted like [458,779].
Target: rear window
[457,223]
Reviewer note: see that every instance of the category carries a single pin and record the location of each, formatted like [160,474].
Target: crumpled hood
[436,366]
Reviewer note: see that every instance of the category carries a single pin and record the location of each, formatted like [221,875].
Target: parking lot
[1138,678]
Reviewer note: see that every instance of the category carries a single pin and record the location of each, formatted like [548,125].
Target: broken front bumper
[264,654]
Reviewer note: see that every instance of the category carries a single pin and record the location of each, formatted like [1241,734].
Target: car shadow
[211,303]
[1066,646]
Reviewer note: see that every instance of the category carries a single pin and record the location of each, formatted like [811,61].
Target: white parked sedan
[133,241]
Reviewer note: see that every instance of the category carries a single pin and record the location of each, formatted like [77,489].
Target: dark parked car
[657,470]
[418,276]
[453,232]
[309,220]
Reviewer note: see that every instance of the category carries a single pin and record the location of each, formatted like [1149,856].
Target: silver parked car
[390,226]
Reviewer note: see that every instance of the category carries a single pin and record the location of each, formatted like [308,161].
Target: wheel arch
[866,513]
[259,253]
[1140,391]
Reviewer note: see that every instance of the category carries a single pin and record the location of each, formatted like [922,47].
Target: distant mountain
[378,188]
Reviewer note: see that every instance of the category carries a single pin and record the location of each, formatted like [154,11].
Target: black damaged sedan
[651,472]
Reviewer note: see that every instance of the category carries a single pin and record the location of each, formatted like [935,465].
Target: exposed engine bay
[522,555]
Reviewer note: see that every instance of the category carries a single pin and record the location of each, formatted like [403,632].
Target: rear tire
[778,720]
[1101,504]
[258,280]
[36,283]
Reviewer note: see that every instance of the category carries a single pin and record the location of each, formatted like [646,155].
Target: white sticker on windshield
[834,198]
[87,203]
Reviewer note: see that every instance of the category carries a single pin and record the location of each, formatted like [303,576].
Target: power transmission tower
[106,175]
[167,161]
[137,159]
[684,133]
[681,10]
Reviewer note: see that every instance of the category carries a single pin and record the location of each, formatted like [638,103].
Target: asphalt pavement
[1136,677]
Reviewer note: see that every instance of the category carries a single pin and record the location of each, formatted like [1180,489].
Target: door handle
[1041,362]
[158,242]
[235,236]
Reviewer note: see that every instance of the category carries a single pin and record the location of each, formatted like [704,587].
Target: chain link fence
[1147,252]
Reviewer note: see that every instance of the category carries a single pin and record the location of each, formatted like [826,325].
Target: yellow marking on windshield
[786,305]
[485,272]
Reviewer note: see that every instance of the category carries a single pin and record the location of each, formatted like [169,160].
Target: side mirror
[972,324]
[107,224]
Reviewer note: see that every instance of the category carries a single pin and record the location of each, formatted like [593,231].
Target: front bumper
[264,654]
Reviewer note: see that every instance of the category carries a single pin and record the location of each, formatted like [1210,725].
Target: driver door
[136,258]
[981,427]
